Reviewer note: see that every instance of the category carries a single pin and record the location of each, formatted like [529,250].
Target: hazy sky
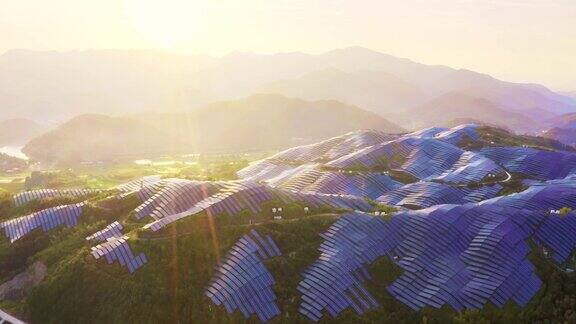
[518,40]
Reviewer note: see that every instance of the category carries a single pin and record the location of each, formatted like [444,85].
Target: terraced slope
[436,224]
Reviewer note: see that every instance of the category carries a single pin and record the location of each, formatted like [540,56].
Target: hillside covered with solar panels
[463,224]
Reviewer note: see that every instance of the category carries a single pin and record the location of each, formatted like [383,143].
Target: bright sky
[518,40]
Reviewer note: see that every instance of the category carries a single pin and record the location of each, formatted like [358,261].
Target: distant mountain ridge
[57,86]
[441,111]
[379,92]
[16,132]
[259,122]
[564,135]
[562,128]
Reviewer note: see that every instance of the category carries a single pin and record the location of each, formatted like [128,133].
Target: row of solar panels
[425,194]
[143,187]
[540,164]
[112,230]
[553,195]
[42,194]
[333,148]
[459,255]
[242,281]
[310,178]
[341,146]
[232,200]
[117,249]
[46,219]
[174,202]
[176,196]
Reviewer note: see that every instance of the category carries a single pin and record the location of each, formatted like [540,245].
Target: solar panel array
[540,164]
[426,194]
[463,256]
[143,187]
[379,155]
[235,197]
[312,178]
[117,249]
[541,197]
[470,168]
[42,194]
[557,233]
[369,184]
[318,200]
[242,281]
[427,132]
[181,198]
[335,281]
[457,134]
[423,158]
[176,196]
[333,148]
[46,219]
[112,230]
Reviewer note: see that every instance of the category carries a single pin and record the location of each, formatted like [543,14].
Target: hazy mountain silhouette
[564,135]
[54,86]
[376,91]
[14,132]
[459,105]
[255,123]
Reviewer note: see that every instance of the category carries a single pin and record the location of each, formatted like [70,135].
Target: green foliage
[379,207]
[515,185]
[213,170]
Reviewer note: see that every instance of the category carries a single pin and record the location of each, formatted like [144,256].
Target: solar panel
[43,194]
[242,282]
[46,219]
[117,249]
[459,255]
[545,165]
[112,230]
[426,194]
[143,188]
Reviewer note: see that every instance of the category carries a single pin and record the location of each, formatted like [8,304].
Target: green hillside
[182,259]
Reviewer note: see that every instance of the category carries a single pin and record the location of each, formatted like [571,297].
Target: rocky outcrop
[21,284]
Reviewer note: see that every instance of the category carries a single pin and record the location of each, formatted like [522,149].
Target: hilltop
[259,122]
[15,132]
[442,110]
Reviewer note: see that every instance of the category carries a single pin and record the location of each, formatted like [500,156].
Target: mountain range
[56,86]
[16,132]
[259,122]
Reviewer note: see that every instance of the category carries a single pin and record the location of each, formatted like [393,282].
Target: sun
[167,23]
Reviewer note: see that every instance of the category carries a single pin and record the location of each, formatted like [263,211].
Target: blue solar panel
[46,219]
[143,188]
[459,255]
[112,230]
[426,194]
[42,194]
[540,164]
[117,249]
[242,281]
[182,198]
